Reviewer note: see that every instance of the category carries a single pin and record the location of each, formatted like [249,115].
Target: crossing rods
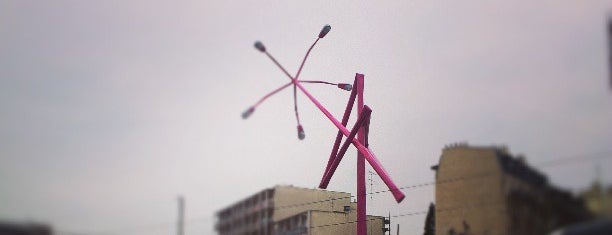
[360,129]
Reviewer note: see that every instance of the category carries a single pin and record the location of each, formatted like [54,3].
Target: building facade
[328,223]
[486,190]
[287,210]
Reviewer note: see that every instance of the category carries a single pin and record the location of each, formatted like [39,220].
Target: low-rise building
[486,190]
[293,210]
[598,200]
[328,223]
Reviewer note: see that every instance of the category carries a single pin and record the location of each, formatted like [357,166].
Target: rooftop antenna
[359,130]
[397,229]
[371,183]
[181,215]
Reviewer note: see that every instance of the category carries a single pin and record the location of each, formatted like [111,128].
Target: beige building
[285,210]
[328,223]
[486,190]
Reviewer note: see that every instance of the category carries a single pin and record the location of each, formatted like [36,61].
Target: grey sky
[109,109]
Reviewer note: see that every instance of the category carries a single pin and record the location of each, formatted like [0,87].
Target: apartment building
[292,210]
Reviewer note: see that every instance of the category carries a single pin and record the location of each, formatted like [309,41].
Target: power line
[415,213]
[550,163]
[545,164]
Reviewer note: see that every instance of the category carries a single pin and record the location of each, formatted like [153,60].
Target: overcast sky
[110,109]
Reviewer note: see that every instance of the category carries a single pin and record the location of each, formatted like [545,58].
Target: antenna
[387,224]
[371,183]
[181,215]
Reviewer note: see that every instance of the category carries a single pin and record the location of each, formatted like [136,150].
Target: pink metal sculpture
[360,129]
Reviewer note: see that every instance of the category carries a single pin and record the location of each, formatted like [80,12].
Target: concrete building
[327,223]
[285,210]
[27,228]
[485,190]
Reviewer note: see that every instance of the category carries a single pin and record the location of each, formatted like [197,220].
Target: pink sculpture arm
[360,130]
[370,157]
[365,115]
[345,118]
[279,65]
[272,93]
[305,57]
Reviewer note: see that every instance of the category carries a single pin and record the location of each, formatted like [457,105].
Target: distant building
[327,222]
[11,228]
[598,200]
[485,190]
[288,210]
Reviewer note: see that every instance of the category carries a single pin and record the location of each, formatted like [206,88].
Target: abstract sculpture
[360,130]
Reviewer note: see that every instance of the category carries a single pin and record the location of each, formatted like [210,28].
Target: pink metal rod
[361,187]
[294,79]
[397,194]
[324,82]
[336,161]
[279,65]
[345,118]
[295,105]
[272,93]
[297,75]
[301,134]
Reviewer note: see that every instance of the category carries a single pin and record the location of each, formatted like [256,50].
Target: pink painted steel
[361,184]
[363,118]
[369,156]
[272,93]
[297,75]
[345,118]
[301,134]
[279,65]
[295,106]
[360,129]
[323,82]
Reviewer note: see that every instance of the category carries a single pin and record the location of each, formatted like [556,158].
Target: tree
[430,220]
